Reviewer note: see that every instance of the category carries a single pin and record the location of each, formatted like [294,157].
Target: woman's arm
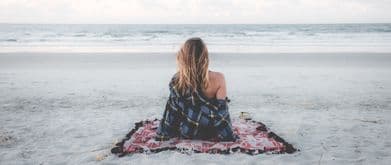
[222,89]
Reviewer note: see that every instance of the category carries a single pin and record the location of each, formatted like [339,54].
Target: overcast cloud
[195,11]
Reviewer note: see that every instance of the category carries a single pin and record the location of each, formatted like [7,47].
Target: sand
[68,108]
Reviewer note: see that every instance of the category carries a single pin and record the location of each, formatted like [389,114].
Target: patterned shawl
[194,116]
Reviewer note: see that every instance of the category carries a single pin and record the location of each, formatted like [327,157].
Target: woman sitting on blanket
[197,106]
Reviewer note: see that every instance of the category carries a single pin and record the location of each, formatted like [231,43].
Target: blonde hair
[193,62]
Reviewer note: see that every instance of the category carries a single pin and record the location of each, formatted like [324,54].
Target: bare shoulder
[218,84]
[217,77]
[218,80]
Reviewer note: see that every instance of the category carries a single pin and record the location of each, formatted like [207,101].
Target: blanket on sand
[254,138]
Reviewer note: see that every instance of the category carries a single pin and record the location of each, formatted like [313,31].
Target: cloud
[194,11]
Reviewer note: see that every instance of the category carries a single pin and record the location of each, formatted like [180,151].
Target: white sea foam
[220,38]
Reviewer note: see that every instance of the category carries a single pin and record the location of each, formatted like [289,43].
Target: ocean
[219,38]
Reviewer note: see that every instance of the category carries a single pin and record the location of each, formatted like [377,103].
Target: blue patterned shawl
[194,116]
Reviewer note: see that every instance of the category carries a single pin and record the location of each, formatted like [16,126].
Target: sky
[195,11]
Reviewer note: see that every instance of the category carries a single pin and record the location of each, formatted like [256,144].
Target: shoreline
[144,60]
[105,51]
[218,53]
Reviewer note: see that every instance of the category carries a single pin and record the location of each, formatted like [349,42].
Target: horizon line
[10,23]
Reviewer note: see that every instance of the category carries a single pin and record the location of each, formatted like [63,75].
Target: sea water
[219,38]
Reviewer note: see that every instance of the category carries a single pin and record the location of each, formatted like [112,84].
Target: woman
[197,105]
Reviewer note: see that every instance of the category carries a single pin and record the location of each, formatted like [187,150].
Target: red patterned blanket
[255,138]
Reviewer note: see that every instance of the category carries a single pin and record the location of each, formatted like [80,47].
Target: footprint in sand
[5,138]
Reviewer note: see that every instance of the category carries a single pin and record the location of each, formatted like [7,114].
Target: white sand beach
[67,108]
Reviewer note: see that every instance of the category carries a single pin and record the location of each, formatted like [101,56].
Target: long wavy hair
[193,65]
